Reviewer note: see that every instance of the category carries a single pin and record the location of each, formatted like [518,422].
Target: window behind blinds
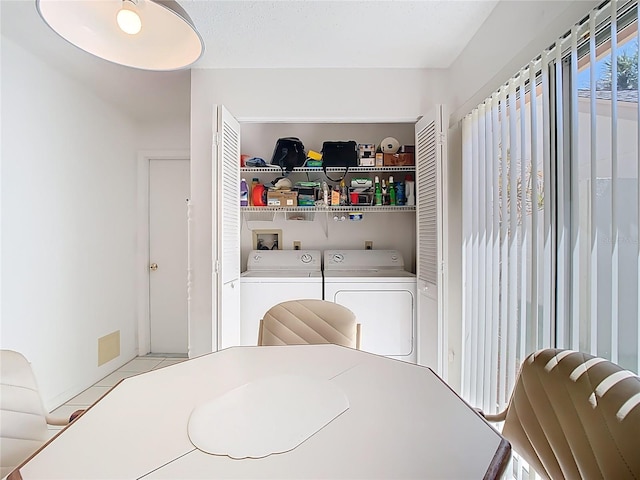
[551,209]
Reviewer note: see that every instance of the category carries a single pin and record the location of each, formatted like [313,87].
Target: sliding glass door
[603,98]
[550,208]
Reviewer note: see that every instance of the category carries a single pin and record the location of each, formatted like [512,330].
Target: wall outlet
[368,245]
[296,245]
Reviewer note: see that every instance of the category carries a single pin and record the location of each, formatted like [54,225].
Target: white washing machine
[376,287]
[274,276]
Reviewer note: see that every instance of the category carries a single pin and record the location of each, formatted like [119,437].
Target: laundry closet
[386,305]
[313,228]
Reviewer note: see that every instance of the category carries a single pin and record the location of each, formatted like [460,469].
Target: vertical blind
[550,208]
[505,224]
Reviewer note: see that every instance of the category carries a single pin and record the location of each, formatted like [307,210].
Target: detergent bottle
[244,193]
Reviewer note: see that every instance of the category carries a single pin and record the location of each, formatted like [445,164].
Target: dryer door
[386,317]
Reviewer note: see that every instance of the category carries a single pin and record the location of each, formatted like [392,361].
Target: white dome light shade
[167,39]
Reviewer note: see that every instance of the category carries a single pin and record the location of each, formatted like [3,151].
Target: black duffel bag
[339,154]
[288,153]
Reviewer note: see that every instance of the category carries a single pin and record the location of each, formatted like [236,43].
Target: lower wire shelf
[350,208]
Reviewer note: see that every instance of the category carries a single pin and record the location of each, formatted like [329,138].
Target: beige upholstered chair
[23,419]
[309,321]
[573,415]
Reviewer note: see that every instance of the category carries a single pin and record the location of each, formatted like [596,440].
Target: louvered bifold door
[227,212]
[430,153]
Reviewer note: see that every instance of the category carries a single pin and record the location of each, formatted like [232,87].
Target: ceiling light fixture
[128,19]
[144,34]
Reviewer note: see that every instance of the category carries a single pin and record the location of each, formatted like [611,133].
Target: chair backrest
[573,415]
[23,425]
[309,321]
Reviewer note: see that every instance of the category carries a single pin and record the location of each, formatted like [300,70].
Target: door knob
[153,266]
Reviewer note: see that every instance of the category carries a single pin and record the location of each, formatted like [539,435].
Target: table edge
[499,461]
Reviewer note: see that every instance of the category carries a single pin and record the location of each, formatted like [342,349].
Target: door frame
[142,240]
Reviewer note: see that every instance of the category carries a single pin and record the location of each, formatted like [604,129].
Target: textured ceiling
[305,33]
[266,34]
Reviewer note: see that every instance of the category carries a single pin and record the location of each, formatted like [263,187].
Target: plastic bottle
[378,191]
[244,193]
[392,191]
[400,193]
[259,196]
[385,193]
[409,190]
[335,196]
[344,197]
[325,194]
[254,182]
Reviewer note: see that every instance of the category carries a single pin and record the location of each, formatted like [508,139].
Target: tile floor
[93,393]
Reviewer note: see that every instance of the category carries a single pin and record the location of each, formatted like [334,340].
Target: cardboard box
[398,159]
[407,149]
[366,150]
[367,162]
[282,198]
[305,200]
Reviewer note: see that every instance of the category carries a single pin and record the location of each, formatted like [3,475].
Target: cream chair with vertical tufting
[23,419]
[573,415]
[309,321]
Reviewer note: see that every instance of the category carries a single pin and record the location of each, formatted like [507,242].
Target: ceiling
[266,34]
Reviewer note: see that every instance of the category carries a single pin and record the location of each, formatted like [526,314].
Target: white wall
[285,95]
[163,134]
[395,231]
[68,225]
[201,328]
[316,94]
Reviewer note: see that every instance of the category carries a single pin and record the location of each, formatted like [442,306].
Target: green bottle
[378,191]
[392,191]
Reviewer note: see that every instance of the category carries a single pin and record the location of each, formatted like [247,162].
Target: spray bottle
[325,194]
[409,190]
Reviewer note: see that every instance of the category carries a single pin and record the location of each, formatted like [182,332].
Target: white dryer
[274,276]
[376,287]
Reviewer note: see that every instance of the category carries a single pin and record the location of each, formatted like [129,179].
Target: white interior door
[430,167]
[168,194]
[226,226]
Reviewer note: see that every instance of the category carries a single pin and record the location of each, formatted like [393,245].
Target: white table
[403,421]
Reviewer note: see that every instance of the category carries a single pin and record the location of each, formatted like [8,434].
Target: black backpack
[289,153]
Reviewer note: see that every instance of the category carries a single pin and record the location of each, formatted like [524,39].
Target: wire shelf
[274,169]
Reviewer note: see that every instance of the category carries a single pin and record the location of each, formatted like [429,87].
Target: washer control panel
[363,260]
[284,260]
